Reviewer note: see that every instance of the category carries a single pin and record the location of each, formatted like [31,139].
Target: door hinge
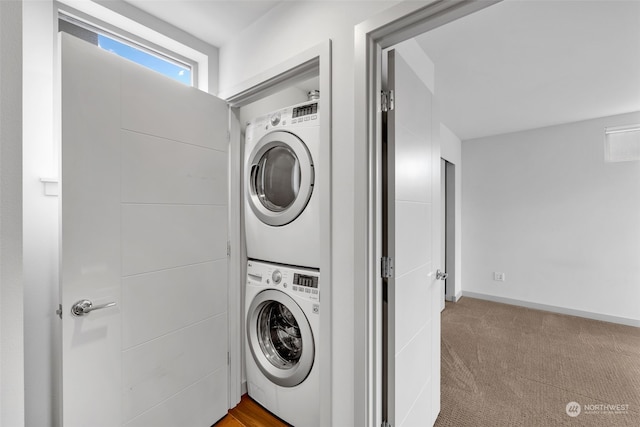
[228,248]
[387,101]
[59,311]
[386,424]
[387,267]
[228,358]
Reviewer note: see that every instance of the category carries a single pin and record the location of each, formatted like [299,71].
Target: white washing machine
[282,324]
[281,169]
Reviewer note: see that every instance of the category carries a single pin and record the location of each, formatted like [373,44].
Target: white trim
[237,263]
[297,68]
[554,309]
[98,27]
[392,26]
[454,298]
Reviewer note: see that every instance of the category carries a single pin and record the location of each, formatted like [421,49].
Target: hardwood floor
[249,414]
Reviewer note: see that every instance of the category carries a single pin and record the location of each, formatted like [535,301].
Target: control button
[306,119]
[316,308]
[315,292]
[275,119]
[295,288]
[314,117]
[294,121]
[276,276]
[308,290]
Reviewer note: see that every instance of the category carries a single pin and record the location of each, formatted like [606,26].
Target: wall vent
[622,143]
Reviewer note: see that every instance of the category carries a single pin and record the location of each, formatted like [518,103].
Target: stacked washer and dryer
[282,227]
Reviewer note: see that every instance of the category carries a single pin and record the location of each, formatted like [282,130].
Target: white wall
[451,151]
[286,30]
[41,327]
[11,281]
[543,207]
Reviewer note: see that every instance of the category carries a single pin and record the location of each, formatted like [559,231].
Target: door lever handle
[85,306]
[441,275]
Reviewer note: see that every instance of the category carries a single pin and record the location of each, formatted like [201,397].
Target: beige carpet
[510,366]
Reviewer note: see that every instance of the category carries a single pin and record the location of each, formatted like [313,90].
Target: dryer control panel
[296,281]
[305,114]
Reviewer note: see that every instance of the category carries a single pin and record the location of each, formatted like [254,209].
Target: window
[153,60]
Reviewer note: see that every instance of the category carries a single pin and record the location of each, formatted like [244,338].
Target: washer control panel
[275,118]
[276,276]
[296,281]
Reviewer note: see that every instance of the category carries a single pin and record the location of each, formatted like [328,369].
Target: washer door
[280,338]
[280,178]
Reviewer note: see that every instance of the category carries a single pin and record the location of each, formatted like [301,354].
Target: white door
[144,193]
[443,228]
[412,223]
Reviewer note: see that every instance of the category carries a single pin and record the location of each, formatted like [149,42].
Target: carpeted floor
[511,366]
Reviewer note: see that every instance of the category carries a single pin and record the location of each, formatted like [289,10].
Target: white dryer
[281,169]
[282,322]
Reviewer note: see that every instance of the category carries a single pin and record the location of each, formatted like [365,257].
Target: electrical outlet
[498,276]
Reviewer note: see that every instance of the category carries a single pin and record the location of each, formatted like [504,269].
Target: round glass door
[279,335]
[278,186]
[280,178]
[280,338]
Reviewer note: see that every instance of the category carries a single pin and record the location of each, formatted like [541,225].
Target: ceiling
[213,21]
[527,64]
[519,64]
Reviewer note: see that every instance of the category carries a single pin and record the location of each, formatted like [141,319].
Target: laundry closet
[171,200]
[281,296]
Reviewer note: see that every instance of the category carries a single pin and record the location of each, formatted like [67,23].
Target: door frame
[450,231]
[390,27]
[308,63]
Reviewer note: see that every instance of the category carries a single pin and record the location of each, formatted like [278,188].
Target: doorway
[448,226]
[371,38]
[314,60]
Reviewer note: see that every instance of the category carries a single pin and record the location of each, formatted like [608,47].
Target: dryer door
[280,178]
[280,338]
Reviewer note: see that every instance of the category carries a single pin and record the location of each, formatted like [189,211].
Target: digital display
[307,281]
[305,110]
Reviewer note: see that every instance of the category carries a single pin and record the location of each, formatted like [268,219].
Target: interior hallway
[504,365]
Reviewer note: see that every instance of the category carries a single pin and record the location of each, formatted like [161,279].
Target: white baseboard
[554,309]
[454,298]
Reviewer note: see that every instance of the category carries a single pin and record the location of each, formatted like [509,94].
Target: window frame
[100,27]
